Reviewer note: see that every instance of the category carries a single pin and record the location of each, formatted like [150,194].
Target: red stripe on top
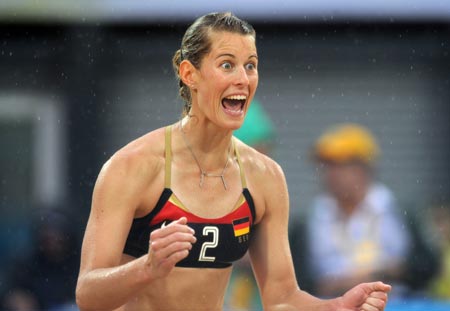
[172,212]
[241,226]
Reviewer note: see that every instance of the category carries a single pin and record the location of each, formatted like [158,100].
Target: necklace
[203,173]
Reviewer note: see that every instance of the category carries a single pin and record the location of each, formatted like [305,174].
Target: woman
[173,209]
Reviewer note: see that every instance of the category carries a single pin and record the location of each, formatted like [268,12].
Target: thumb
[180,221]
[380,286]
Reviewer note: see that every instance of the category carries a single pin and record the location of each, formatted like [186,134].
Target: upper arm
[269,250]
[117,194]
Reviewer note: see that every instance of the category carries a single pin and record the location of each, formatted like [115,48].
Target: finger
[172,260]
[377,303]
[368,307]
[169,229]
[163,242]
[181,221]
[379,295]
[174,227]
[166,252]
[380,286]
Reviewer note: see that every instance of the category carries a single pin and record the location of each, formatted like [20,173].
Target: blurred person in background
[354,230]
[46,280]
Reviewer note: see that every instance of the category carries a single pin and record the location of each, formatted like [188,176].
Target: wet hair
[196,44]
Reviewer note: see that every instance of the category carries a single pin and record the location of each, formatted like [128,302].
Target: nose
[241,77]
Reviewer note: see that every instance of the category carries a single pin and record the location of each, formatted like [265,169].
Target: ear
[188,74]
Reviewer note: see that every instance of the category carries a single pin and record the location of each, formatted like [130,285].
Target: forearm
[335,286]
[329,287]
[299,300]
[109,288]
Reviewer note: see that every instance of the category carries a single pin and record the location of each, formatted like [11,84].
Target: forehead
[233,43]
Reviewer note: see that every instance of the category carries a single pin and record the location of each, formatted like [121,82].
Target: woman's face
[345,180]
[227,79]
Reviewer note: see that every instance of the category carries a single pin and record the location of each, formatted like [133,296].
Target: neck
[210,144]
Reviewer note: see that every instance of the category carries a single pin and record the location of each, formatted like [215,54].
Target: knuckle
[182,254]
[179,236]
[154,245]
[179,245]
[153,235]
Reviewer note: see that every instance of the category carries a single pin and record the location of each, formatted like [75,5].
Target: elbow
[87,297]
[282,300]
[80,297]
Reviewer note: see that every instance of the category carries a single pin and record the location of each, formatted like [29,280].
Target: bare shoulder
[135,166]
[258,165]
[265,179]
[141,154]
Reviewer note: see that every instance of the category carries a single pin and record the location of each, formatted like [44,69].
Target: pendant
[202,175]
[223,181]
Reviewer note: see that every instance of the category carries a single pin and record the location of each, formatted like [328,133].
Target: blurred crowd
[44,277]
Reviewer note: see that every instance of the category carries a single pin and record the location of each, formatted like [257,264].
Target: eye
[250,66]
[226,65]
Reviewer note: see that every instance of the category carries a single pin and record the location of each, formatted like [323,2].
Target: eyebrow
[232,56]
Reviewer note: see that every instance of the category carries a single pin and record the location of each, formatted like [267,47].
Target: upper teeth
[237,97]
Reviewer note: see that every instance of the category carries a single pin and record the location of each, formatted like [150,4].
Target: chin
[234,125]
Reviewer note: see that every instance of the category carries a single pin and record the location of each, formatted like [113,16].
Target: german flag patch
[241,226]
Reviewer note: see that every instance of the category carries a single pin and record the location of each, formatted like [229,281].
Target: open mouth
[234,104]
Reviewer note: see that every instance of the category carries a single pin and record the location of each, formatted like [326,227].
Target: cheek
[216,81]
[254,78]
[254,82]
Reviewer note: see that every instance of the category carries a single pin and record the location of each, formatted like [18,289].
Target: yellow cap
[347,142]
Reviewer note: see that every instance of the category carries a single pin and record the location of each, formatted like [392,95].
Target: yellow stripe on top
[242,231]
[240,201]
[174,200]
